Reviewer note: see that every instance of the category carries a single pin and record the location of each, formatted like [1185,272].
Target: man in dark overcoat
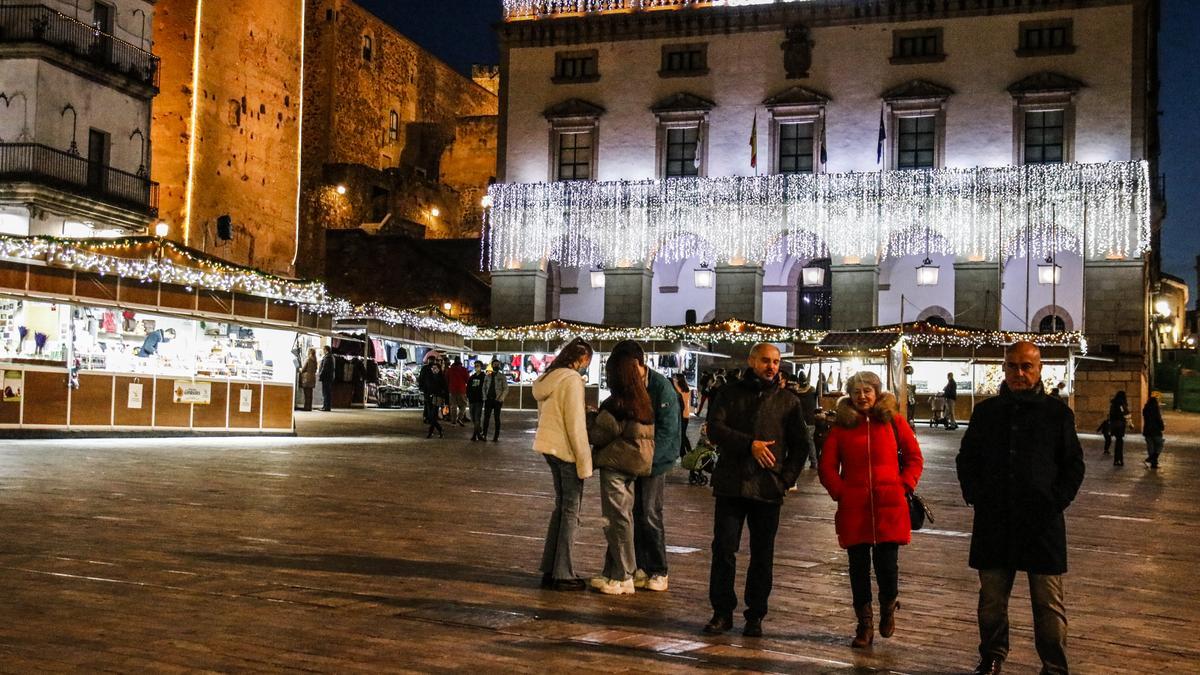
[1020,466]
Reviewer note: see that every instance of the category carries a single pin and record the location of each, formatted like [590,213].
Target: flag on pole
[882,137]
[824,153]
[699,145]
[754,143]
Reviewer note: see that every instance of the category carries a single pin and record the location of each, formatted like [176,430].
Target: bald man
[759,429]
[1020,466]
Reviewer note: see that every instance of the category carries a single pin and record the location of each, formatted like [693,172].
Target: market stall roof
[548,336]
[854,343]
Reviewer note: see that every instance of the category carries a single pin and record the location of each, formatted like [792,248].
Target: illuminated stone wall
[242,147]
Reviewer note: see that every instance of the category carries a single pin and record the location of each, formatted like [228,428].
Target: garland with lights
[151,259]
[528,9]
[421,318]
[973,213]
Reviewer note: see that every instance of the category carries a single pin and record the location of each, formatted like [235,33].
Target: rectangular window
[681,152]
[575,156]
[689,59]
[796,147]
[576,66]
[917,46]
[1046,37]
[1044,137]
[915,142]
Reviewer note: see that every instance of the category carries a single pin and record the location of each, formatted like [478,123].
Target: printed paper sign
[199,393]
[135,396]
[13,379]
[246,403]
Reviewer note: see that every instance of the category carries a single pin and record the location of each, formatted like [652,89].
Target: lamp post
[141,171]
[74,150]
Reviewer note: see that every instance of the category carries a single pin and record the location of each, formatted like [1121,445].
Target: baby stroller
[700,461]
[937,404]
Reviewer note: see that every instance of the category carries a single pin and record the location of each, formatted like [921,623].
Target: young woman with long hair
[563,440]
[622,438]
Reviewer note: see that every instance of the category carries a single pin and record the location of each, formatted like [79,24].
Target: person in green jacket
[649,540]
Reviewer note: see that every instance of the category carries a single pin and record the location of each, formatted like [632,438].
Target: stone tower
[226,131]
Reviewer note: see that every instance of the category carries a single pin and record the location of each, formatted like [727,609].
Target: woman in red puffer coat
[870,461]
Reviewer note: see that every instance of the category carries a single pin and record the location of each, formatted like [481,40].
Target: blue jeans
[1049,616]
[560,535]
[649,538]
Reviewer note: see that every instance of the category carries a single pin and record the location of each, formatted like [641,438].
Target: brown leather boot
[887,618]
[864,634]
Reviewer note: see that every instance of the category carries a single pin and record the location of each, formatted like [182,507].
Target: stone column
[739,291]
[627,294]
[1114,305]
[855,296]
[518,297]
[977,295]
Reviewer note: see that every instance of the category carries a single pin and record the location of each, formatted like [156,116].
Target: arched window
[393,126]
[367,44]
[1052,324]
[935,320]
[816,302]
[689,317]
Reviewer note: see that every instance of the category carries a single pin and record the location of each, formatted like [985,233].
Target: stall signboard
[134,401]
[193,392]
[246,401]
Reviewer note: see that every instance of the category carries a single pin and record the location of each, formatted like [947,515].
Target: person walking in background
[622,439]
[432,384]
[950,393]
[1152,429]
[808,403]
[308,378]
[495,388]
[704,386]
[456,383]
[475,393]
[562,439]
[871,461]
[649,536]
[1118,411]
[1020,466]
[685,411]
[326,374]
[760,431]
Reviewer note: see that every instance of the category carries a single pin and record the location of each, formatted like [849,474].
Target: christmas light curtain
[975,213]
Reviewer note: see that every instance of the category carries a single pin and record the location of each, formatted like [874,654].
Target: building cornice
[696,21]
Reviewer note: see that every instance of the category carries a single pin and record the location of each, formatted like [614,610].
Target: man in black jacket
[327,374]
[759,430]
[1020,466]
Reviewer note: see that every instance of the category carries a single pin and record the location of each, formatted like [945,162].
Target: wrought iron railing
[42,164]
[43,25]
[531,9]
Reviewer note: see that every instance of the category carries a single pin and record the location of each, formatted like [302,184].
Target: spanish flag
[754,142]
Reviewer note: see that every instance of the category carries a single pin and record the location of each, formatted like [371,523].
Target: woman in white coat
[562,439]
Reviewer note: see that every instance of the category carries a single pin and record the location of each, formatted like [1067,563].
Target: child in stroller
[937,404]
[701,460]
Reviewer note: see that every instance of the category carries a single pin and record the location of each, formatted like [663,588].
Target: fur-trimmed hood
[884,410]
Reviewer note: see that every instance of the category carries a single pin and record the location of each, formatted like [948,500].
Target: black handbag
[918,511]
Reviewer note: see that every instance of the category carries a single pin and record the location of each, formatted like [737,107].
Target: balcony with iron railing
[536,9]
[70,173]
[41,25]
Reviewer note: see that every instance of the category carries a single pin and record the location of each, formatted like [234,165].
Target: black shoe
[429,435]
[496,439]
[568,584]
[719,623]
[988,666]
[753,628]
[547,579]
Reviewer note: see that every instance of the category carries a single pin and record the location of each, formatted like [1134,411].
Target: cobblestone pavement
[360,546]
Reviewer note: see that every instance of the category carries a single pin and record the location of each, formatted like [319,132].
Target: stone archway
[1047,314]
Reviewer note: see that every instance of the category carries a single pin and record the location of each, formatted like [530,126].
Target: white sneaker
[597,582]
[640,578]
[614,587]
[657,583]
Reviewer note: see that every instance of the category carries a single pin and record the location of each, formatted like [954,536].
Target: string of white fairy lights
[975,213]
[526,9]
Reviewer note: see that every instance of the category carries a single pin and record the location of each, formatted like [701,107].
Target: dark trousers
[491,409]
[886,572]
[649,535]
[1049,616]
[326,396]
[685,443]
[432,412]
[1154,446]
[476,415]
[728,517]
[308,397]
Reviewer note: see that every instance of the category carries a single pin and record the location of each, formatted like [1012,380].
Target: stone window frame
[693,71]
[393,132]
[896,110]
[796,114]
[900,36]
[563,133]
[586,55]
[1023,49]
[1044,102]
[566,126]
[367,46]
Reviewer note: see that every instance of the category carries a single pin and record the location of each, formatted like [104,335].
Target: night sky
[459,32]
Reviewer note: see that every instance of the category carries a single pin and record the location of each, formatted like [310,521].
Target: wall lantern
[341,189]
[162,229]
[813,276]
[927,273]
[597,278]
[704,277]
[1049,272]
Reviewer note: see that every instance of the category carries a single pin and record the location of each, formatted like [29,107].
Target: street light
[927,273]
[446,306]
[1163,308]
[597,278]
[703,277]
[486,202]
[813,276]
[435,212]
[341,189]
[1049,273]
[162,229]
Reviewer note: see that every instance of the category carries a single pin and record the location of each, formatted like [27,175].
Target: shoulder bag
[918,512]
